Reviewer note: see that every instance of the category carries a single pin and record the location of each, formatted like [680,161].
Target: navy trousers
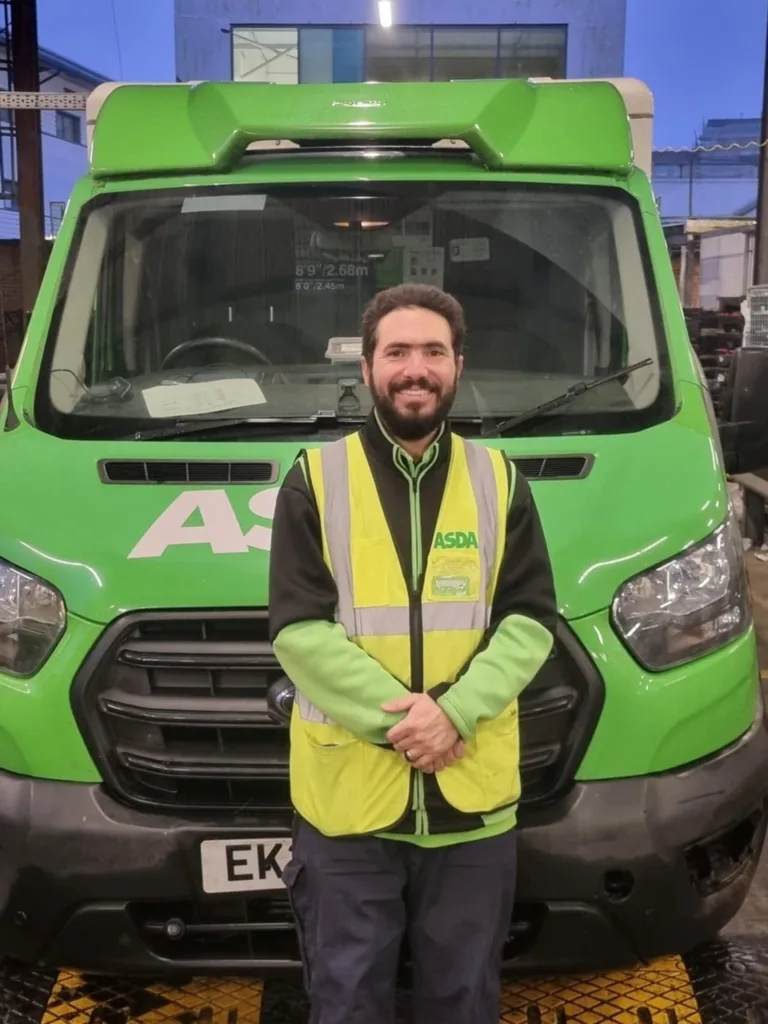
[355,899]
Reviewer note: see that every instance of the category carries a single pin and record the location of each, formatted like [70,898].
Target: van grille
[174,708]
[553,467]
[179,471]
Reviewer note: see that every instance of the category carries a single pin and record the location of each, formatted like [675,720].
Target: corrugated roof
[51,61]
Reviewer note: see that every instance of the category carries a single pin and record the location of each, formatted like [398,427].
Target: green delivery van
[198,325]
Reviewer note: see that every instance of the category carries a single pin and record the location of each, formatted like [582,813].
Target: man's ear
[459,366]
[366,371]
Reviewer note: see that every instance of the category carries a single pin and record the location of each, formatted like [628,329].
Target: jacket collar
[383,444]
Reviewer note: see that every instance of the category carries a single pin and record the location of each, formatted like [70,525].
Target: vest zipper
[413,474]
[417,639]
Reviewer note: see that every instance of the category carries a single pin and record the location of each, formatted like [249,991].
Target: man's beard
[412,426]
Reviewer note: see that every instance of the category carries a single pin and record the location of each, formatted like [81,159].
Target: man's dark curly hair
[405,296]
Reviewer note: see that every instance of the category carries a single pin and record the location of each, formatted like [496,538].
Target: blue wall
[203,28]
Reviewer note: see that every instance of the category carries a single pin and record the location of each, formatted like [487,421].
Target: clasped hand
[426,736]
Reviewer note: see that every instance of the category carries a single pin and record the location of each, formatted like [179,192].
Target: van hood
[110,548]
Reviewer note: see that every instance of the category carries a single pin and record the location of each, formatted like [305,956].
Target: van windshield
[245,302]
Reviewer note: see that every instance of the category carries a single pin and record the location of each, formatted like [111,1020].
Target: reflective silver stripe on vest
[394,621]
[338,526]
[436,615]
[484,485]
[308,711]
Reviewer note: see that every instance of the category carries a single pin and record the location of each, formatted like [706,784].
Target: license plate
[243,865]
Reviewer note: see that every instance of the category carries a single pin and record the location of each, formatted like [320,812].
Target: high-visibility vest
[345,785]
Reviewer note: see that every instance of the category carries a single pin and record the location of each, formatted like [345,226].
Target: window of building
[406,53]
[464,53]
[9,193]
[69,127]
[532,52]
[403,53]
[56,216]
[331,54]
[265,55]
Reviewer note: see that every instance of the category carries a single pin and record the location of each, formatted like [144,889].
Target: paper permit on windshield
[202,396]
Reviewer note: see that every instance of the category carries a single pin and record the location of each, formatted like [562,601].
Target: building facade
[64,142]
[295,41]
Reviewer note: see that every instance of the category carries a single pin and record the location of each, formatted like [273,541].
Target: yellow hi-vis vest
[345,785]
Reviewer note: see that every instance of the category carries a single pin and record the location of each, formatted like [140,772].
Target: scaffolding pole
[760,272]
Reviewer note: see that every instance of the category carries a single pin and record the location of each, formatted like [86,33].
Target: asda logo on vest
[455,539]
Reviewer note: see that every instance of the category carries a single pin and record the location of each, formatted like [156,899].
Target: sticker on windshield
[202,396]
[469,250]
[424,266]
[215,204]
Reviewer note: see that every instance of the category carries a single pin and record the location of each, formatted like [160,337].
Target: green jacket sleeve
[523,620]
[331,671]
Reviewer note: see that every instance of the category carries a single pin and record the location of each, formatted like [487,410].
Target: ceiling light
[385,13]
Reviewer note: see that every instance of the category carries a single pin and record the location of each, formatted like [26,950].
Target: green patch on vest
[450,586]
[455,539]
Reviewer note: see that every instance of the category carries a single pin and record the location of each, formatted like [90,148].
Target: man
[411,601]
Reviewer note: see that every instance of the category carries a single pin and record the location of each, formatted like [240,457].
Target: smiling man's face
[413,373]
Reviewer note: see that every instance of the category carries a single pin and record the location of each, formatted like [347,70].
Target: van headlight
[689,606]
[32,618]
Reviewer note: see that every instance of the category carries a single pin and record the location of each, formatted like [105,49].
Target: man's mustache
[414,382]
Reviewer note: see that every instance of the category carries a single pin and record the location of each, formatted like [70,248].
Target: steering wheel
[196,343]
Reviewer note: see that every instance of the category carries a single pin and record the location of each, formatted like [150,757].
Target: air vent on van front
[157,471]
[554,467]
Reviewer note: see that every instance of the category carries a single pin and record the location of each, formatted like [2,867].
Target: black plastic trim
[167,710]
[589,707]
[561,752]
[107,755]
[86,913]
[553,467]
[196,471]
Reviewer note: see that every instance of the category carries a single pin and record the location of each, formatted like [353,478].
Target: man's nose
[416,365]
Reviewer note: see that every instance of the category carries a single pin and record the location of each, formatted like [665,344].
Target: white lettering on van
[220,528]
[263,506]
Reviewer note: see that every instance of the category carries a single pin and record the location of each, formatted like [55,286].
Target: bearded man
[411,602]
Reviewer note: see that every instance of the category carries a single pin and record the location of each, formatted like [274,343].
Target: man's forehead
[403,338]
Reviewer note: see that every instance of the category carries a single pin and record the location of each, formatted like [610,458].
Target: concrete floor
[753,919]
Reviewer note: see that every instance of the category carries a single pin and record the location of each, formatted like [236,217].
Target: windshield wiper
[567,396]
[185,427]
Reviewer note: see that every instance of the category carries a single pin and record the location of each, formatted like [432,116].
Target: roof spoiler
[509,124]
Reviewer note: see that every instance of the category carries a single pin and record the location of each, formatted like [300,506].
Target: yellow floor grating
[76,999]
[657,994]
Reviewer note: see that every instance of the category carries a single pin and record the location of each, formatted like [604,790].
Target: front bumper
[619,871]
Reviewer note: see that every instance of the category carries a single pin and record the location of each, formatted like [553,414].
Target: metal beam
[14,99]
[26,78]
[760,271]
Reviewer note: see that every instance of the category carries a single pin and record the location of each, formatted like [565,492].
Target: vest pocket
[487,778]
[333,785]
[349,786]
[499,755]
